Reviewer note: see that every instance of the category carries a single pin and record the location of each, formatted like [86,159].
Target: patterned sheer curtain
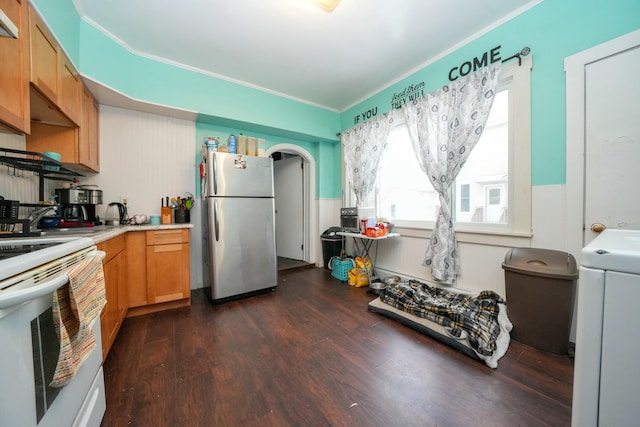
[362,146]
[444,126]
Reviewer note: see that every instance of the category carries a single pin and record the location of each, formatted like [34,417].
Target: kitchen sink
[69,231]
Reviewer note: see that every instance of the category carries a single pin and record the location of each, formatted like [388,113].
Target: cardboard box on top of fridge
[252,144]
[241,144]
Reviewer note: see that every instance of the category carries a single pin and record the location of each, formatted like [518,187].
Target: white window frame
[518,231]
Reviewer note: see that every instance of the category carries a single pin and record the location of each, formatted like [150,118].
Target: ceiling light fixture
[327,5]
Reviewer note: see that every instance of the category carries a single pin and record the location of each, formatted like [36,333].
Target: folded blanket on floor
[478,319]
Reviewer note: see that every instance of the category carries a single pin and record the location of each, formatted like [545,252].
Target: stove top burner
[11,250]
[20,255]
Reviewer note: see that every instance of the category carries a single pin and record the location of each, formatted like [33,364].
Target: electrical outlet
[123,200]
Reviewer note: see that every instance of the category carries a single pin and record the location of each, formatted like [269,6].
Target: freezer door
[239,175]
[242,248]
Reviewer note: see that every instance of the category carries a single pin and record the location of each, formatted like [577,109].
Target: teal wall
[67,24]
[223,107]
[326,153]
[554,29]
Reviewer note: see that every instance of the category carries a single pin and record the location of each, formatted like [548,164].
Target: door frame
[575,155]
[310,214]
[287,243]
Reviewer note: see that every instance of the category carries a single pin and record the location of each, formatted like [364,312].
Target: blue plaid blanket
[461,315]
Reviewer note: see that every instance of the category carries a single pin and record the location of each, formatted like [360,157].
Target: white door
[612,143]
[601,100]
[603,75]
[288,181]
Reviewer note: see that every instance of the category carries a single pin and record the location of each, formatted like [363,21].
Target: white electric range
[31,269]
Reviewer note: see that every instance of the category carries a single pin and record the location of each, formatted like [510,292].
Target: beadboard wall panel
[144,157]
[16,184]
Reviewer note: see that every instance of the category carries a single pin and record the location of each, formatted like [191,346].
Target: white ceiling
[294,49]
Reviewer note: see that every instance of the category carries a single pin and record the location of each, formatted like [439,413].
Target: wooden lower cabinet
[115,277]
[159,274]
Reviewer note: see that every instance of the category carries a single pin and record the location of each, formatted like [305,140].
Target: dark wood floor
[311,354]
[292,264]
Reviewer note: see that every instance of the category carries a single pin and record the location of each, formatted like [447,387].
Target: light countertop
[102,232]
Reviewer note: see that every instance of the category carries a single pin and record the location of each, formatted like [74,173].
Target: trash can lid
[331,232]
[331,239]
[541,262]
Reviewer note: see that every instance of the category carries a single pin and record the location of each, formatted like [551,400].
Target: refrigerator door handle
[214,174]
[216,225]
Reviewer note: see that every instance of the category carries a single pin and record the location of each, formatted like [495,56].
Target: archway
[311,234]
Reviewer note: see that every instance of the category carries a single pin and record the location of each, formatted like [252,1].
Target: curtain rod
[524,52]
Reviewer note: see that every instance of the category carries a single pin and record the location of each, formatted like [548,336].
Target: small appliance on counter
[349,219]
[77,207]
[116,214]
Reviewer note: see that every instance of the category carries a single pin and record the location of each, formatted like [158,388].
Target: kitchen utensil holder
[181,216]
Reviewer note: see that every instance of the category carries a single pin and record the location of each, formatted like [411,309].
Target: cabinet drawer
[168,237]
[112,247]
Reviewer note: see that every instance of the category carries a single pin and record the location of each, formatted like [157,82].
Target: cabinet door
[67,141]
[123,292]
[61,139]
[88,145]
[168,272]
[115,280]
[137,268]
[14,69]
[70,90]
[45,59]
[109,321]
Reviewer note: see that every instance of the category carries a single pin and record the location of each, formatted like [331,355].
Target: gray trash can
[332,244]
[540,289]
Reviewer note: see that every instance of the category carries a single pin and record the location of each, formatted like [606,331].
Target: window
[491,194]
[486,171]
[464,198]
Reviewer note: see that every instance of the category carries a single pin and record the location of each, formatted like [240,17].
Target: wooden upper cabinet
[78,145]
[53,76]
[71,88]
[89,146]
[45,60]
[64,114]
[14,70]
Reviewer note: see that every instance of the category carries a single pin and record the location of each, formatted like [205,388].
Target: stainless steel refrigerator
[239,244]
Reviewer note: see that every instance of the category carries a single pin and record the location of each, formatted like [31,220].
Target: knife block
[165,215]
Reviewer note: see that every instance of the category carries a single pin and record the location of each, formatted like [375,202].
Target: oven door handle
[10,299]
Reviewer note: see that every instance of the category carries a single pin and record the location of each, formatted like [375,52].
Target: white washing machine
[606,369]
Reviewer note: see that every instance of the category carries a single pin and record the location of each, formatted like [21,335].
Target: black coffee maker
[78,207]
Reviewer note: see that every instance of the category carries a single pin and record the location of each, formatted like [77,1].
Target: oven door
[349,223]
[29,349]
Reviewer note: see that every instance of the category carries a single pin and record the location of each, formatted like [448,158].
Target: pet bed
[476,326]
